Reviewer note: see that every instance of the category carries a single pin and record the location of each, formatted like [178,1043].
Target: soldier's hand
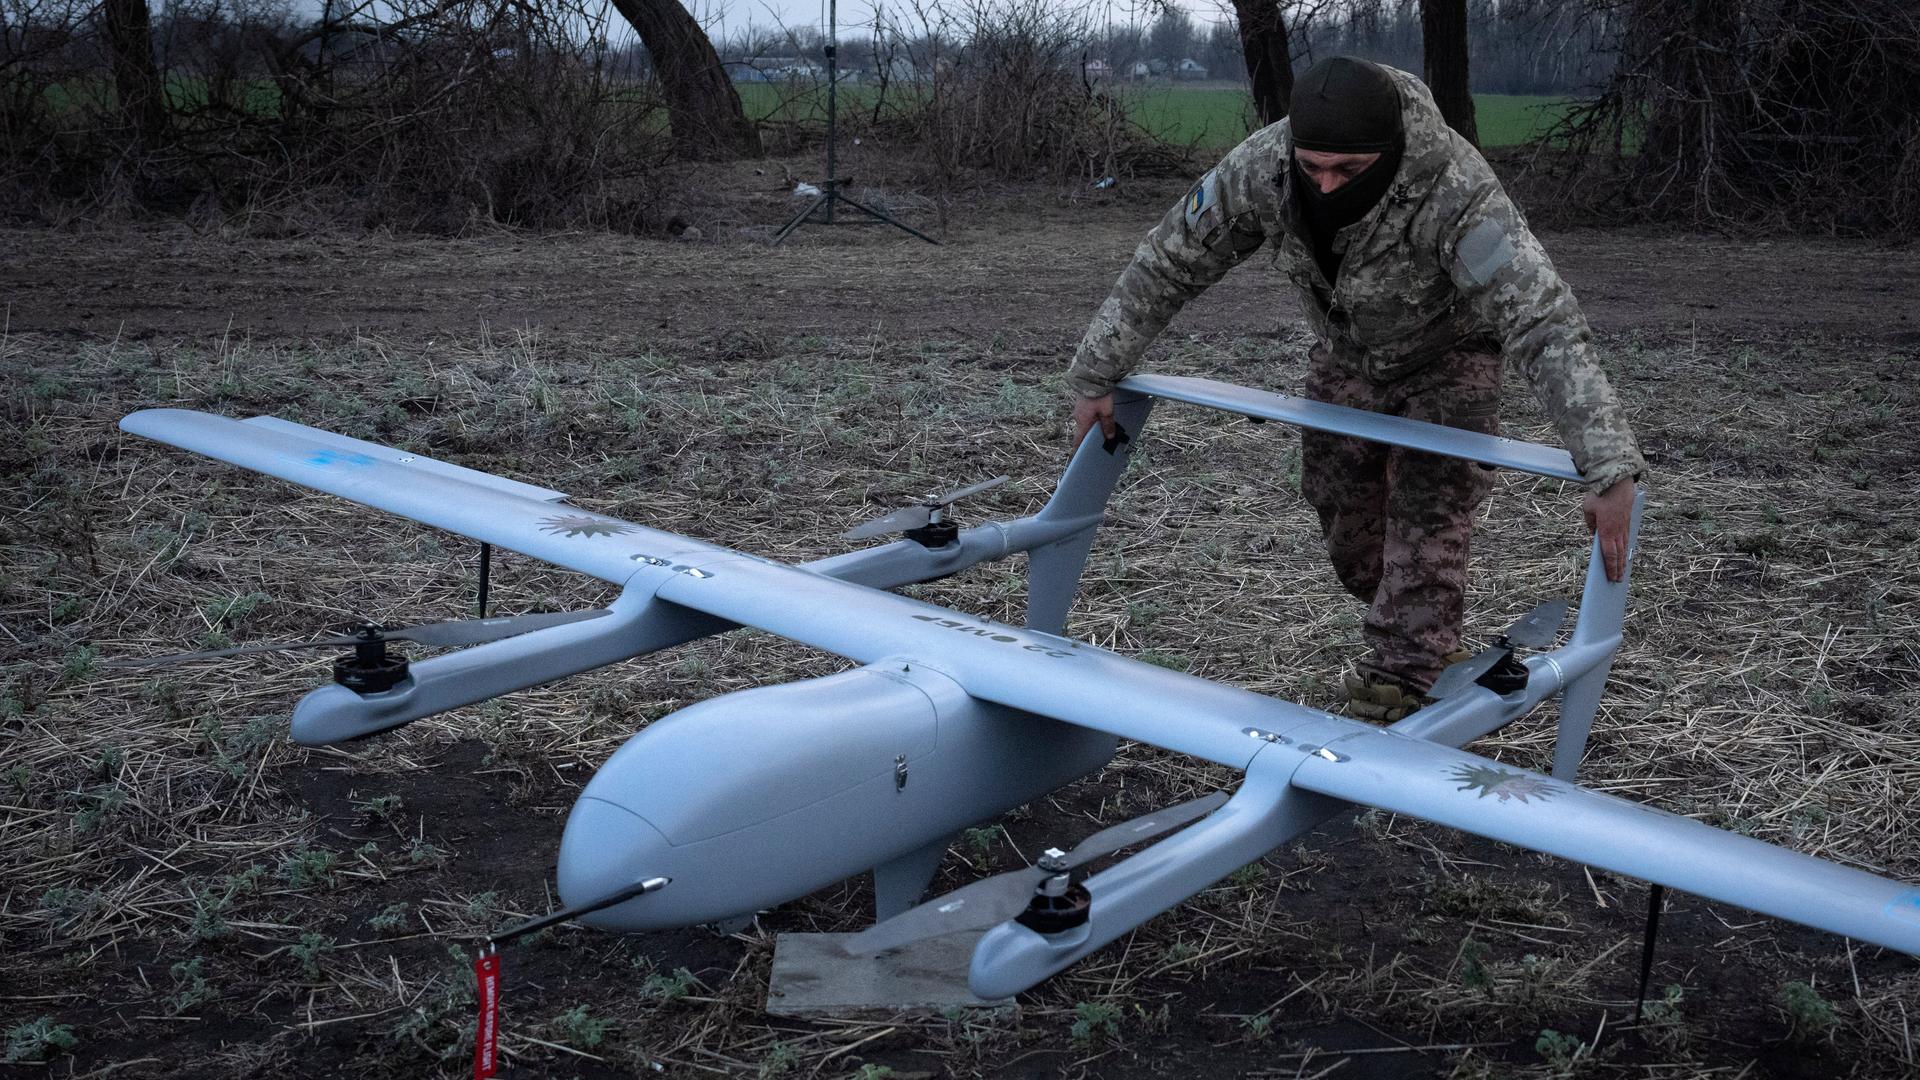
[1609,515]
[1090,411]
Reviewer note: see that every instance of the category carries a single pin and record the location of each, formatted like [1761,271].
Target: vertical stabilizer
[1603,609]
[1053,571]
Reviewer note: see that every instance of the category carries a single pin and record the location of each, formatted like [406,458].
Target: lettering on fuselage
[992,634]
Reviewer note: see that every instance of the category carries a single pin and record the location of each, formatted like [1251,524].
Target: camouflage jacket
[1443,258]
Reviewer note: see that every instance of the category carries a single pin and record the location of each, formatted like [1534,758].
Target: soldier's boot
[1379,696]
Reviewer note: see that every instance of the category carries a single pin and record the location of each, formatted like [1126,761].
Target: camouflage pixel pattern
[1444,257]
[1398,522]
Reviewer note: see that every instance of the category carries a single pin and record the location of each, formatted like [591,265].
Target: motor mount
[935,534]
[370,669]
[1059,904]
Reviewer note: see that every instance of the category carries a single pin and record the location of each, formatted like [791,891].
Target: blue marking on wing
[1905,906]
[327,458]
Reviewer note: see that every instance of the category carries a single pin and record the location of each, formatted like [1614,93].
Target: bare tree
[129,34]
[703,108]
[1170,38]
[1759,113]
[1443,32]
[1269,56]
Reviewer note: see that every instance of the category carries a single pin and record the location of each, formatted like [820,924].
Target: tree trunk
[1443,28]
[130,41]
[1269,56]
[703,108]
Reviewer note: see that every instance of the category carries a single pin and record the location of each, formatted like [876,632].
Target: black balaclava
[1344,105]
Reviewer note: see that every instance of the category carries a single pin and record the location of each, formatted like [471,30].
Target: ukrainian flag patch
[1203,202]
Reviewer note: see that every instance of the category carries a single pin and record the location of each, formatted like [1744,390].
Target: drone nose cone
[607,848]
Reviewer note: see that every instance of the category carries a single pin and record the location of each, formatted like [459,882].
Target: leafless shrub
[1799,113]
[417,115]
[1002,86]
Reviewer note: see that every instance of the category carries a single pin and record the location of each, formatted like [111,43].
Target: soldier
[1417,275]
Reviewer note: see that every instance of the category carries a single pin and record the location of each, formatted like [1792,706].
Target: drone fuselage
[755,798]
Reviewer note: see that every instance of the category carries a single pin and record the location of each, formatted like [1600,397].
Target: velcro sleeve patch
[1484,251]
[1203,205]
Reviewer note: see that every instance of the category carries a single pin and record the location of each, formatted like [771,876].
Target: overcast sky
[726,16]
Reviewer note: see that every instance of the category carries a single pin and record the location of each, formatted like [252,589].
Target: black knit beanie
[1345,105]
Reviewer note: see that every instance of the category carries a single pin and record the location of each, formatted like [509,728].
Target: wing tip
[149,422]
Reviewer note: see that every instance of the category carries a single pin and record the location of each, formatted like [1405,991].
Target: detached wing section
[512,515]
[1451,787]
[1359,423]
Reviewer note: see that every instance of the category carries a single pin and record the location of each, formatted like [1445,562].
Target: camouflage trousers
[1397,521]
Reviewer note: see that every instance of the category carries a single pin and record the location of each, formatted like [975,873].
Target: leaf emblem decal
[583,525]
[1507,785]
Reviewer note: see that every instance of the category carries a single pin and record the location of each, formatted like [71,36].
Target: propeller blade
[1114,837]
[978,906]
[481,631]
[1467,672]
[907,517]
[992,901]
[952,497]
[919,514]
[1537,628]
[240,650]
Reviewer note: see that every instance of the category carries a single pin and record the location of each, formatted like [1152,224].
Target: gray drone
[743,802]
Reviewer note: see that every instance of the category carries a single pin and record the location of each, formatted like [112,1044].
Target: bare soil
[1033,263]
[193,896]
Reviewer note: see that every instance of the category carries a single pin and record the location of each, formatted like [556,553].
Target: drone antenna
[638,888]
[1656,900]
[489,971]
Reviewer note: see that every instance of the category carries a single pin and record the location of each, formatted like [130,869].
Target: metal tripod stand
[830,187]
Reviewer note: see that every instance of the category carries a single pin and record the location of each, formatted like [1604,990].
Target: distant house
[1189,69]
[1096,70]
[896,70]
[1140,71]
[778,69]
[903,70]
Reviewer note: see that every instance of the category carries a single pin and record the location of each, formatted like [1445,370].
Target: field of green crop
[1211,117]
[1221,117]
[1511,119]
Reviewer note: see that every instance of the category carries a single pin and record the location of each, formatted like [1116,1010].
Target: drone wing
[1072,681]
[1451,787]
[1085,685]
[521,517]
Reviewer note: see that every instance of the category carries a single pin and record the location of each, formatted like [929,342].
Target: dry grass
[183,886]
